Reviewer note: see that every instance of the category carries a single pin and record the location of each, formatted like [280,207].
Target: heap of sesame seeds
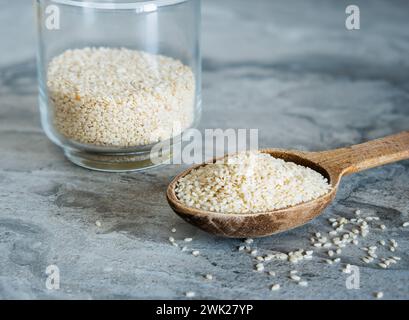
[250,182]
[119,97]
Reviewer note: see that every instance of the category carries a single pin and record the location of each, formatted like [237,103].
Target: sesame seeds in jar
[118,97]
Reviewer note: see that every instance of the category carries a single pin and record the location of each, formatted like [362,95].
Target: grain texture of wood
[332,164]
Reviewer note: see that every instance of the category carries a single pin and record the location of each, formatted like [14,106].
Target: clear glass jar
[118,76]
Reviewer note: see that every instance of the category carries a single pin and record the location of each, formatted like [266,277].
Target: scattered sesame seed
[209,277]
[195,253]
[295,277]
[188,239]
[259,267]
[405,224]
[275,287]
[303,283]
[190,294]
[173,230]
[272,273]
[378,295]
[98,223]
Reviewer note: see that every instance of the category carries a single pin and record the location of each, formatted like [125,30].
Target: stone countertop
[288,68]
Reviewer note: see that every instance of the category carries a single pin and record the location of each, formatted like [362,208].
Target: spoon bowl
[333,165]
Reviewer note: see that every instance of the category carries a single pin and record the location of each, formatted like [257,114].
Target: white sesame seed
[209,277]
[357,212]
[260,267]
[98,223]
[405,224]
[382,265]
[190,294]
[173,230]
[195,253]
[379,295]
[188,239]
[171,239]
[272,273]
[295,277]
[303,283]
[275,287]
[249,241]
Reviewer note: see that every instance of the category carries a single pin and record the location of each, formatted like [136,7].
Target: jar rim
[140,5]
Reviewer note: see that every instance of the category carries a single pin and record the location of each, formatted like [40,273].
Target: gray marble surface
[289,68]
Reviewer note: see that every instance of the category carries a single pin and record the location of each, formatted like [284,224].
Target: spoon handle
[366,155]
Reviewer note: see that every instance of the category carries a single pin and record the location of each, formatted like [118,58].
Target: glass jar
[117,77]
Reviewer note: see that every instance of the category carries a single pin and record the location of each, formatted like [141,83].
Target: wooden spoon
[333,164]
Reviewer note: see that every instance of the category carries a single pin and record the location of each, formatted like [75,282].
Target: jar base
[116,162]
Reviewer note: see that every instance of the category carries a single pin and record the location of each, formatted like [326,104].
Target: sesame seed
[171,239]
[405,224]
[173,230]
[190,294]
[249,241]
[275,287]
[259,267]
[195,253]
[303,283]
[272,273]
[209,277]
[188,239]
[295,277]
[378,295]
[98,223]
